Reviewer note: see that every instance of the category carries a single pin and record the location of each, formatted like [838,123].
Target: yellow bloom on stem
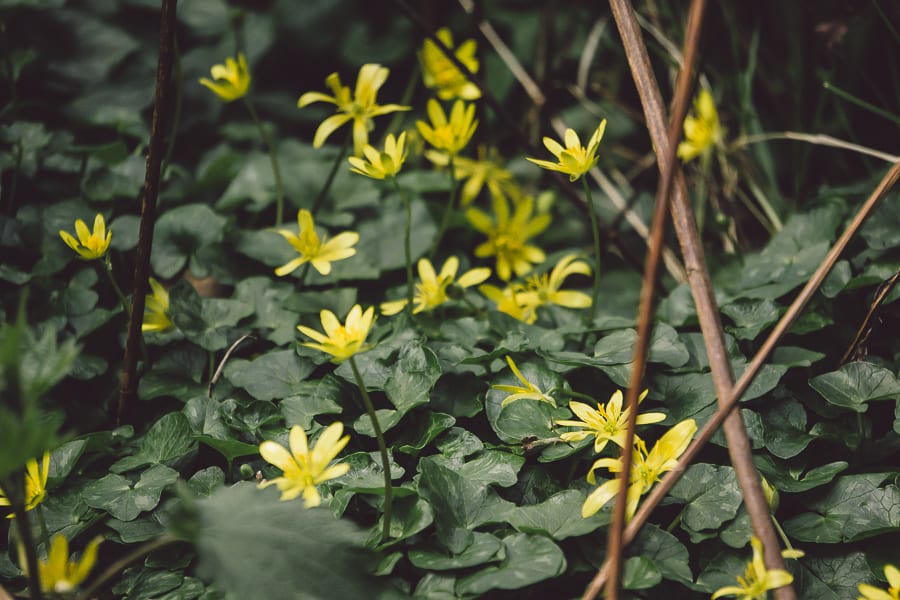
[870,592]
[544,289]
[341,341]
[59,574]
[607,423]
[701,130]
[487,169]
[89,245]
[507,301]
[508,235]
[526,391]
[35,483]
[431,291]
[304,467]
[321,252]
[756,582]
[440,74]
[574,160]
[156,309]
[380,165]
[646,468]
[360,107]
[449,134]
[230,81]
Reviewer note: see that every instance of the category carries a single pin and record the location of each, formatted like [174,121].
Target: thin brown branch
[155,153]
[698,276]
[615,542]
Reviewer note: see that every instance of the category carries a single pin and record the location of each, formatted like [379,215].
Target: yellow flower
[575,160]
[526,391]
[440,74]
[507,301]
[773,498]
[341,341]
[305,468]
[156,309]
[646,468]
[431,291]
[509,234]
[544,289]
[89,245]
[360,108]
[701,130]
[379,165]
[449,135]
[870,592]
[35,483]
[607,423]
[320,252]
[58,574]
[756,581]
[232,80]
[487,169]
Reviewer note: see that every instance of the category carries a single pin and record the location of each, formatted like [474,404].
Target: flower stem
[126,307]
[595,231]
[385,461]
[15,495]
[406,244]
[338,160]
[448,210]
[273,156]
[574,394]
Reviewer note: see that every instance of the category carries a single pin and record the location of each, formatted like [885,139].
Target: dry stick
[739,448]
[155,152]
[615,543]
[659,492]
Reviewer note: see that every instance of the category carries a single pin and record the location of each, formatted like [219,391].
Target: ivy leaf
[557,516]
[793,477]
[618,347]
[669,556]
[414,374]
[273,375]
[750,317]
[529,559]
[491,467]
[424,431]
[711,494]
[166,441]
[785,429]
[640,573]
[855,384]
[484,548]
[177,236]
[831,576]
[456,501]
[117,496]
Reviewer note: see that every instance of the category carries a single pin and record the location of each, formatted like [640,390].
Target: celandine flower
[304,467]
[870,592]
[321,252]
[232,80]
[89,245]
[701,130]
[60,574]
[431,291]
[35,483]
[381,165]
[507,301]
[646,468]
[526,391]
[449,134]
[156,309]
[341,341]
[607,423]
[574,160]
[360,108]
[508,235]
[544,289]
[487,169]
[440,74]
[757,580]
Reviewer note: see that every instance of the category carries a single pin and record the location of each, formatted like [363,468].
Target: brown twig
[155,153]
[698,276]
[615,541]
[857,346]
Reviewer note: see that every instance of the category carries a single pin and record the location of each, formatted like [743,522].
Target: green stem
[126,307]
[595,232]
[31,561]
[860,102]
[382,448]
[120,565]
[273,156]
[338,160]
[45,533]
[574,394]
[448,210]
[406,244]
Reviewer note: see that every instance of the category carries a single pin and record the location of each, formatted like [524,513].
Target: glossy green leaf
[177,237]
[124,499]
[414,374]
[275,374]
[793,476]
[855,384]
[529,559]
[558,517]
[711,495]
[166,441]
[640,573]
[485,548]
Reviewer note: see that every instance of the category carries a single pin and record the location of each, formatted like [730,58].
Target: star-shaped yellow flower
[156,309]
[59,574]
[89,245]
[431,291]
[35,483]
[574,160]
[381,165]
[526,391]
[487,169]
[607,423]
[341,341]
[701,130]
[321,252]
[360,108]
[545,289]
[870,592]
[230,81]
[757,580]
[441,75]
[304,467]
[646,468]
[507,301]
[451,134]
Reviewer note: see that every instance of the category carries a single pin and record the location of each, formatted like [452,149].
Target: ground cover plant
[399,319]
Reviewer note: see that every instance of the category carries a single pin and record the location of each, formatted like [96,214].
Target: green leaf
[618,347]
[412,515]
[166,441]
[529,559]
[785,429]
[640,573]
[793,476]
[557,517]
[669,555]
[230,449]
[275,374]
[490,467]
[177,237]
[485,548]
[456,501]
[125,501]
[208,322]
[424,431]
[459,443]
[750,317]
[832,575]
[711,494]
[314,398]
[414,374]
[855,384]
[524,418]
[277,324]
